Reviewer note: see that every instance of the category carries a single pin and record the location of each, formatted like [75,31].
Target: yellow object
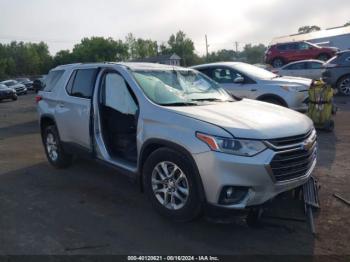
[321,105]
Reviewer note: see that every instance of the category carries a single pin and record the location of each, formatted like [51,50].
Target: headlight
[240,147]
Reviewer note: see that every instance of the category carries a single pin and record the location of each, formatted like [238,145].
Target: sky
[63,23]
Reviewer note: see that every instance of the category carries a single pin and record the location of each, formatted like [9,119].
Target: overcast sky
[62,23]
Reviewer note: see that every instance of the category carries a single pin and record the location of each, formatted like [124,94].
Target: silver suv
[177,132]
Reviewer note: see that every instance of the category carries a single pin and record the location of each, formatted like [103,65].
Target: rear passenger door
[73,109]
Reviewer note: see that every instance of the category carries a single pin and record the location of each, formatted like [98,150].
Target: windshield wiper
[179,104]
[211,100]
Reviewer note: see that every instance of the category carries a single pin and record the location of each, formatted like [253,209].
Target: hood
[250,119]
[291,80]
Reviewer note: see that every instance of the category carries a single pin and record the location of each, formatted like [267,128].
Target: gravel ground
[91,209]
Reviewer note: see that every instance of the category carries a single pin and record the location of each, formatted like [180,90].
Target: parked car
[39,83]
[25,81]
[337,72]
[267,67]
[312,69]
[247,81]
[7,93]
[280,54]
[187,141]
[19,88]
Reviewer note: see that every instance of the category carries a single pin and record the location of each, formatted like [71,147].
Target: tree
[308,29]
[222,55]
[347,24]
[253,53]
[140,48]
[99,49]
[63,57]
[182,46]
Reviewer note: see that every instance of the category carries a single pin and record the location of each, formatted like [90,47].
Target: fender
[153,144]
[264,96]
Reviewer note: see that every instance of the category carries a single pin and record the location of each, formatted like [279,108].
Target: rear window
[296,66]
[52,79]
[81,83]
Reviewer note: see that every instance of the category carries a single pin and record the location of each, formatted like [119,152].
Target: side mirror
[238,80]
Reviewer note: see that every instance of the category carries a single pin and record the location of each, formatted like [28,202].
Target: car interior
[119,115]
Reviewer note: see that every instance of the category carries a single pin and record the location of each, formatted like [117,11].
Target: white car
[305,68]
[243,80]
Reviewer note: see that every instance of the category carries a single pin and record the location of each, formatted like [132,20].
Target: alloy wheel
[345,86]
[170,185]
[51,146]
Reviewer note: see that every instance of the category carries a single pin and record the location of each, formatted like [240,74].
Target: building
[337,37]
[171,59]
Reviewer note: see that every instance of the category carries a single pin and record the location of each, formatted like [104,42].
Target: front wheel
[170,184]
[343,85]
[272,101]
[14,97]
[53,148]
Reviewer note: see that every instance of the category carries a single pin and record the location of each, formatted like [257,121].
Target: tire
[14,98]
[329,126]
[277,62]
[343,85]
[171,200]
[272,100]
[323,57]
[53,148]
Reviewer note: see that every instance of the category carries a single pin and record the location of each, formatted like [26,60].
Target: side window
[206,71]
[222,75]
[314,65]
[117,94]
[52,79]
[293,47]
[81,83]
[282,47]
[303,46]
[296,66]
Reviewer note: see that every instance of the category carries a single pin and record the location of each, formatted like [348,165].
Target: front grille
[295,156]
[286,141]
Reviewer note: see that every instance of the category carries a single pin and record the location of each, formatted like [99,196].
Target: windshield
[254,71]
[179,87]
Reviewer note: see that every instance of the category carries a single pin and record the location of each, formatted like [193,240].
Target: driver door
[234,82]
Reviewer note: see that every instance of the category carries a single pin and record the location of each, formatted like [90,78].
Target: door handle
[61,105]
[253,90]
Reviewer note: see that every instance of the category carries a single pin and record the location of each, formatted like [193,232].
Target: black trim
[159,143]
[272,96]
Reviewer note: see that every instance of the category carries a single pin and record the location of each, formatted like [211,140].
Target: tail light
[38,98]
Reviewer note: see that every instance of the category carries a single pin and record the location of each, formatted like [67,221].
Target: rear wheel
[170,184]
[53,148]
[277,62]
[343,85]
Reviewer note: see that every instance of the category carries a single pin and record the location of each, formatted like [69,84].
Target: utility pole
[206,45]
[236,44]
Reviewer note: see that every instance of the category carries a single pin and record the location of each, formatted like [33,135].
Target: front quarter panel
[160,123]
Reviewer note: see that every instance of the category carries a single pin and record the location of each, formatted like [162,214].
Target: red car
[279,54]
